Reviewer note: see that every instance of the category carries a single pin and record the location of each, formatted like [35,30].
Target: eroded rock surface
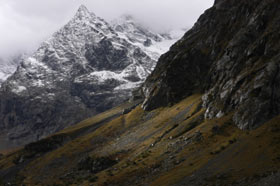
[232,56]
[85,68]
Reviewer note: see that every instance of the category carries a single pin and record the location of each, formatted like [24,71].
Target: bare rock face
[232,56]
[9,65]
[85,68]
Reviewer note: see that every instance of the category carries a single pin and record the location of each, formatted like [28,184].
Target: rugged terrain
[167,146]
[231,55]
[210,115]
[85,68]
[8,66]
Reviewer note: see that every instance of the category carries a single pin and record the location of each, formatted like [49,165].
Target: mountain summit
[85,68]
[221,77]
[83,12]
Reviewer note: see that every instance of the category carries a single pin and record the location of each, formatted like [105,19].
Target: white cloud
[25,23]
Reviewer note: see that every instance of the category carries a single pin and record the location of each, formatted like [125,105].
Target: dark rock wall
[232,56]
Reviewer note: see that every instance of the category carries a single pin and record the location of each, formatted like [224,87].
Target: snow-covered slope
[5,71]
[154,44]
[85,68]
[8,66]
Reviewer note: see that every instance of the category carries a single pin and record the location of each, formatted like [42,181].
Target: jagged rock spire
[83,12]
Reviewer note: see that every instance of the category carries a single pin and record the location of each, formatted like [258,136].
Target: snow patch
[19,89]
[128,86]
[107,75]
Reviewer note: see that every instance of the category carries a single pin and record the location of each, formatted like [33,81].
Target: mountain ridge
[185,132]
[210,58]
[82,69]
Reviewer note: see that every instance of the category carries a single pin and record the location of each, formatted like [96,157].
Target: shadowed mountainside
[167,146]
[231,56]
[221,77]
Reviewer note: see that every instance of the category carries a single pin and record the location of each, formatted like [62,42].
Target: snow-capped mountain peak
[86,67]
[153,43]
[9,65]
[83,13]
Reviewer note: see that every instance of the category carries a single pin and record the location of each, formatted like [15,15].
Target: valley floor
[168,146]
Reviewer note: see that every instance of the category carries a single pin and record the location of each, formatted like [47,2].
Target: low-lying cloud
[26,23]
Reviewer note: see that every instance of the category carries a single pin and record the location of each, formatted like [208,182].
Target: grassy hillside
[173,145]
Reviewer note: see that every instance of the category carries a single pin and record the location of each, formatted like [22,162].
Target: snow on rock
[154,44]
[86,67]
[19,89]
[9,65]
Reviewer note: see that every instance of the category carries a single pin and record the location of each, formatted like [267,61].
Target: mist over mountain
[9,65]
[26,23]
[86,67]
[109,103]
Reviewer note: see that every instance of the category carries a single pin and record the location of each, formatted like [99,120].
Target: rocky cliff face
[232,56]
[83,69]
[9,65]
[152,43]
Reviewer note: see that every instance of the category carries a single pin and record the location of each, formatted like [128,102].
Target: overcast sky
[26,23]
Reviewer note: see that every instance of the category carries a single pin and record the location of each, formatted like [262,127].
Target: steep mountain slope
[83,69]
[168,146]
[231,55]
[8,66]
[185,133]
[152,43]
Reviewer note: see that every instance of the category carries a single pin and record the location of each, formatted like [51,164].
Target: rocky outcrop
[9,65]
[85,68]
[152,43]
[231,55]
[95,165]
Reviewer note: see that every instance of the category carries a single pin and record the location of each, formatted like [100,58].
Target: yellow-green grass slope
[168,146]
